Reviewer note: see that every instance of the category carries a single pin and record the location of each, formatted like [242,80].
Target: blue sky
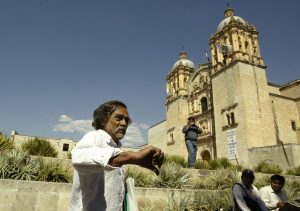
[60,59]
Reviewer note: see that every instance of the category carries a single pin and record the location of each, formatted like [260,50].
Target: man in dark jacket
[191,131]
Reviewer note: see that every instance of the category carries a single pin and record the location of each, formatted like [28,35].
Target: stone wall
[157,136]
[18,195]
[286,112]
[276,155]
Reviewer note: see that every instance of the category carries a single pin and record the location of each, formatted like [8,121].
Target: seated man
[245,195]
[273,195]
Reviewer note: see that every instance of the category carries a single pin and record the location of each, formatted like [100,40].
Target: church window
[232,118]
[204,106]
[65,147]
[228,119]
[246,45]
[171,137]
[293,125]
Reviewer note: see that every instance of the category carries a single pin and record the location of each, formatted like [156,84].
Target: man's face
[276,185]
[247,181]
[191,121]
[117,123]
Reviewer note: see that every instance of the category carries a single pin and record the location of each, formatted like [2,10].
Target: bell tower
[242,106]
[235,40]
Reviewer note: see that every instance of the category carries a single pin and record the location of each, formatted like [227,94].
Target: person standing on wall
[191,131]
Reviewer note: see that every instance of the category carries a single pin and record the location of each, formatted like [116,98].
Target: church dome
[228,17]
[183,61]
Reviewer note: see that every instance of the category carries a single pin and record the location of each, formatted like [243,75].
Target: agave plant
[141,179]
[218,180]
[172,175]
[213,200]
[183,202]
[50,171]
[268,168]
[17,165]
[39,147]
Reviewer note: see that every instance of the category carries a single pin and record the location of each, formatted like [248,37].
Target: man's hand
[150,158]
[281,204]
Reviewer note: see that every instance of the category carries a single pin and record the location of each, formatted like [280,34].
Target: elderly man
[273,195]
[98,182]
[245,195]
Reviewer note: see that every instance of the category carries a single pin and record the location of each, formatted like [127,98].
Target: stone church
[243,117]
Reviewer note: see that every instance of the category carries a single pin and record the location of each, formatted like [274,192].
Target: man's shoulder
[265,188]
[238,186]
[96,134]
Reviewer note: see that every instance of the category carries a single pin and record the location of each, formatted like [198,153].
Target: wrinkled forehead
[121,110]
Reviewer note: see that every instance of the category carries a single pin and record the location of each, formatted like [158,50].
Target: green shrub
[212,200]
[294,171]
[50,171]
[69,155]
[5,143]
[292,189]
[183,202]
[220,163]
[19,165]
[141,179]
[268,168]
[261,180]
[180,160]
[202,164]
[39,147]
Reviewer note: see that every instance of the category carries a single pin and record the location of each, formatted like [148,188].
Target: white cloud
[136,134]
[64,118]
[68,125]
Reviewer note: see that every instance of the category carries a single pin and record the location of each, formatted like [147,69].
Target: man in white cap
[246,197]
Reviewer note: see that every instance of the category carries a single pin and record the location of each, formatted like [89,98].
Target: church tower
[242,106]
[176,102]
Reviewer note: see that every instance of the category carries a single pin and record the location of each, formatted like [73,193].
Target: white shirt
[238,193]
[271,198]
[97,186]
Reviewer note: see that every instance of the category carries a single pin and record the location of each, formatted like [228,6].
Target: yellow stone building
[243,117]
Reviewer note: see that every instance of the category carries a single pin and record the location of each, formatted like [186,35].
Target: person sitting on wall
[246,197]
[191,131]
[273,195]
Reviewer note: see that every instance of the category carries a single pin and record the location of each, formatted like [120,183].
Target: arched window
[228,119]
[206,155]
[204,106]
[232,118]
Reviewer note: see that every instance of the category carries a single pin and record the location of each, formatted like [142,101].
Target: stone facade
[63,146]
[231,100]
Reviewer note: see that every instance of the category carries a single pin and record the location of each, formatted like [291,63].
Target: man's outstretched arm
[149,158]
